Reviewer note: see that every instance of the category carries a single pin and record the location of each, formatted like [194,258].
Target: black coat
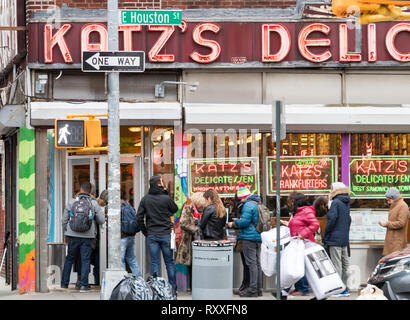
[155,211]
[211,225]
[338,222]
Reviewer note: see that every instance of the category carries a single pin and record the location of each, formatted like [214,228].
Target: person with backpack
[154,218]
[251,240]
[80,219]
[129,228]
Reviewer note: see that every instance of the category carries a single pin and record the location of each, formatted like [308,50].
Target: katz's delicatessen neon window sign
[310,175]
[371,177]
[223,174]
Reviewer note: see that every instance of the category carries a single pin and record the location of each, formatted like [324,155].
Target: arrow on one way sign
[118,61]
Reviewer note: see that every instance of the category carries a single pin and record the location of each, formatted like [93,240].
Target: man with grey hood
[80,241]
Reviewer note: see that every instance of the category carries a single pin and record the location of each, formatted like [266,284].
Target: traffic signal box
[371,10]
[79,134]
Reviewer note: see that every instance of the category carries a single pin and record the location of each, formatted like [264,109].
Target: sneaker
[345,293]
[248,294]
[84,288]
[299,293]
[64,286]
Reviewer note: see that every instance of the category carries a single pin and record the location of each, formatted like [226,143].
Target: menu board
[310,175]
[371,177]
[365,225]
[223,174]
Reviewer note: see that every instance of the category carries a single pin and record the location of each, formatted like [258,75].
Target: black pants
[251,251]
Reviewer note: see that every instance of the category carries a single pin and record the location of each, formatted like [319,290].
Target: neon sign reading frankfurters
[223,174]
[310,175]
[207,42]
[371,177]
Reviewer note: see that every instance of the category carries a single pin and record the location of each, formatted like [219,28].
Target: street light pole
[114,273]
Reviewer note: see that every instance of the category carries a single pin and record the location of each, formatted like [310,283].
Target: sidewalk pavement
[72,294]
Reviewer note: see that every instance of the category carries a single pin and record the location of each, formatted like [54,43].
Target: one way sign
[114,61]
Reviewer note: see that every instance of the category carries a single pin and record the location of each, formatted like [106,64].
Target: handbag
[173,242]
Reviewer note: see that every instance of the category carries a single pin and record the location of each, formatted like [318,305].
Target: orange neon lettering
[284,35]
[304,42]
[50,41]
[213,45]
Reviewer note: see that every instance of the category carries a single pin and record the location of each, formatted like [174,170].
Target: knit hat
[243,191]
[392,193]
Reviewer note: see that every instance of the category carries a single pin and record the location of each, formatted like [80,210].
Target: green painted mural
[27,200]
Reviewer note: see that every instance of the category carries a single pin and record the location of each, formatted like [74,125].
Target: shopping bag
[269,237]
[292,264]
[132,288]
[320,272]
[268,260]
[371,293]
[173,242]
[161,288]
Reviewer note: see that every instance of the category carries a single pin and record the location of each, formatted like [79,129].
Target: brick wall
[36,5]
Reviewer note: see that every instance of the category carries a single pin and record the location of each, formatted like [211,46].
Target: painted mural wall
[27,198]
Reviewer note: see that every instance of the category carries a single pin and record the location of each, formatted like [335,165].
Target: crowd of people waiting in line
[204,217]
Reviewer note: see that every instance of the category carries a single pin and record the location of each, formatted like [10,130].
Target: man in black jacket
[154,218]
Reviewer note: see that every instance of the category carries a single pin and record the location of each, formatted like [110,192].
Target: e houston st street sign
[114,61]
[151,17]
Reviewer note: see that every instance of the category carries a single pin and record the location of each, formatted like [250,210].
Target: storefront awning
[12,116]
[299,118]
[164,113]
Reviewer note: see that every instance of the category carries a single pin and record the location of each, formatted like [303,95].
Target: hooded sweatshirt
[338,219]
[249,220]
[155,211]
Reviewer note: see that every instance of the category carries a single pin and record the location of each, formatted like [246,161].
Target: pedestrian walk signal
[70,133]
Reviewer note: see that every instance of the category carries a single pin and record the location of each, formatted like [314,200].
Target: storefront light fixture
[134,129]
[160,87]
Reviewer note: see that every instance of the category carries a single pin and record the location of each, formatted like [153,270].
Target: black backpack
[81,214]
[129,223]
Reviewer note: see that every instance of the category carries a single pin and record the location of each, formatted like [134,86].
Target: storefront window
[162,139]
[130,139]
[293,148]
[380,158]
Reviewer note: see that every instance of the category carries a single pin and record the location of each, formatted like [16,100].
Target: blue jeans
[302,285]
[156,244]
[75,245]
[128,254]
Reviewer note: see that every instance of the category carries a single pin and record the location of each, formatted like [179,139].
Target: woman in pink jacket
[303,224]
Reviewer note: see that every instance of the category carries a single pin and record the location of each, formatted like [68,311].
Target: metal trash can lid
[212,243]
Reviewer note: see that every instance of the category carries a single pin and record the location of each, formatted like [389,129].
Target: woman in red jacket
[303,224]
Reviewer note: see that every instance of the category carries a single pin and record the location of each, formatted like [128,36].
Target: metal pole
[114,273]
[114,203]
[277,129]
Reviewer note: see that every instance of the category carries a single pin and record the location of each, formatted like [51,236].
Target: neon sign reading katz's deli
[372,177]
[309,175]
[274,44]
[223,174]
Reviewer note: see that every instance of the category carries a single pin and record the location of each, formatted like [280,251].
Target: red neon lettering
[308,170]
[246,167]
[390,38]
[127,34]
[50,41]
[284,42]
[199,168]
[379,162]
[86,30]
[212,168]
[153,54]
[391,163]
[304,43]
[371,42]
[284,171]
[371,167]
[402,166]
[222,165]
[360,167]
[294,171]
[213,45]
[344,54]
[317,170]
[233,166]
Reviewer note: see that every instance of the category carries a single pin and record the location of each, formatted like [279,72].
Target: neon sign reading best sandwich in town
[310,175]
[371,177]
[223,174]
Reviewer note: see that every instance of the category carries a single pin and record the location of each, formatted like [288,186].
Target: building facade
[201,113]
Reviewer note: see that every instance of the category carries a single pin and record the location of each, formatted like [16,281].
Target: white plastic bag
[371,293]
[173,244]
[268,249]
[268,261]
[292,263]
